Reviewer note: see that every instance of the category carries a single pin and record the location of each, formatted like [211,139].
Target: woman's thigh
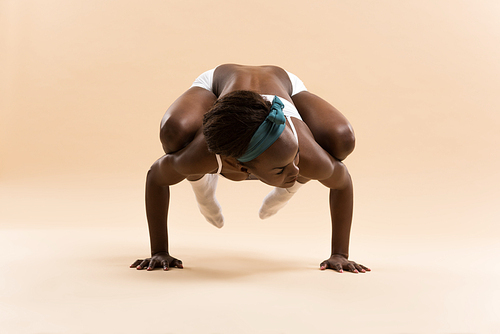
[184,118]
[330,128]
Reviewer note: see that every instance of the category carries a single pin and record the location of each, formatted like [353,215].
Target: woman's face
[278,165]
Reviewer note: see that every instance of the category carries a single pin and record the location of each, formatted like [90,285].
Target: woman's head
[230,129]
[230,124]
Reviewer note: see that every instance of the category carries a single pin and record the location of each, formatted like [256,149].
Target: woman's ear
[243,168]
[239,165]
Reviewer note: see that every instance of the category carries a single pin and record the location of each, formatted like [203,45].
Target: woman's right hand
[160,260]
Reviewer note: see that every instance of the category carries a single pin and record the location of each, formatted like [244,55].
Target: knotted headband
[267,133]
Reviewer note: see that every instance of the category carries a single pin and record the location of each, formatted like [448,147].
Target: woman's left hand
[340,263]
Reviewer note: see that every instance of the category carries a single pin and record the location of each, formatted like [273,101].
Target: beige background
[84,85]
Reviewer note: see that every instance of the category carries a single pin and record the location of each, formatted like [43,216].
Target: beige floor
[66,250]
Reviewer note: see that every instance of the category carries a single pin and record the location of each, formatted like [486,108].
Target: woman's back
[269,80]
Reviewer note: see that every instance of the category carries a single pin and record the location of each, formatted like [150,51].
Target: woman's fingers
[365,268]
[352,267]
[359,268]
[178,264]
[143,264]
[152,264]
[135,264]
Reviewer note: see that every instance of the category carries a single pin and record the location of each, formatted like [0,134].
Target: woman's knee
[340,141]
[176,133]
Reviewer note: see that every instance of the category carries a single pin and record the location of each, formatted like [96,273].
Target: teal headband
[267,133]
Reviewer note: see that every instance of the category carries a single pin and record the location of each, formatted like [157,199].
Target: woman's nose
[294,169]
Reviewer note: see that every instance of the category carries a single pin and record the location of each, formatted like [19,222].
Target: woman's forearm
[157,202]
[341,208]
[161,176]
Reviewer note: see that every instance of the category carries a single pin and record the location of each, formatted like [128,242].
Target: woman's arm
[192,160]
[341,207]
[317,164]
[160,177]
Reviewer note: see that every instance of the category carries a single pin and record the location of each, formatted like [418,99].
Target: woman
[251,122]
